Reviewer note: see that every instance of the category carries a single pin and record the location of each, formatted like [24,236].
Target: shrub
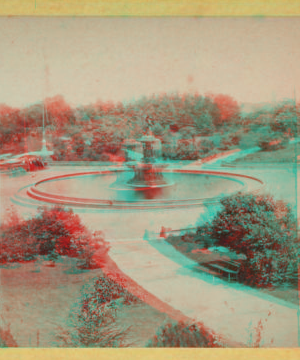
[6,338]
[186,151]
[87,246]
[181,334]
[285,120]
[3,344]
[106,290]
[272,142]
[104,157]
[55,226]
[17,245]
[188,237]
[51,232]
[204,237]
[235,139]
[92,323]
[206,146]
[262,229]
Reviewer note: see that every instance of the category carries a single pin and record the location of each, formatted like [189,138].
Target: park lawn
[186,248]
[36,300]
[287,292]
[286,155]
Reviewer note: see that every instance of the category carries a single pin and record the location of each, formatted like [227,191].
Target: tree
[59,112]
[187,132]
[98,142]
[262,229]
[186,151]
[285,120]
[204,123]
[60,149]
[228,109]
[78,145]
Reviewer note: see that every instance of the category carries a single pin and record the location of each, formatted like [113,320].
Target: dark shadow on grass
[234,285]
[190,268]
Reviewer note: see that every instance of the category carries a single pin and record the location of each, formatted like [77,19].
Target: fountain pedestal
[147,173]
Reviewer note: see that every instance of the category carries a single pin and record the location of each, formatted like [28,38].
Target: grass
[37,299]
[286,292]
[187,248]
[286,155]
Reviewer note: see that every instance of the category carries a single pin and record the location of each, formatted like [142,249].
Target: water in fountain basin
[113,187]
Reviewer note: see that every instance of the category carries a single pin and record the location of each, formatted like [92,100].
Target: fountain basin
[93,189]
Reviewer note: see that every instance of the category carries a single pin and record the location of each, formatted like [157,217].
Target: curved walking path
[231,310]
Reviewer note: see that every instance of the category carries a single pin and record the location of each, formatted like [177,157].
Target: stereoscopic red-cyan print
[148,182]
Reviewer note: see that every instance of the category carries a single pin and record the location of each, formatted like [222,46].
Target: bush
[206,146]
[183,151]
[272,142]
[230,141]
[186,151]
[106,290]
[188,237]
[262,229]
[56,228]
[51,232]
[104,157]
[285,120]
[91,249]
[204,237]
[92,323]
[181,334]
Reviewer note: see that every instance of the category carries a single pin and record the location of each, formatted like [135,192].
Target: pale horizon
[254,60]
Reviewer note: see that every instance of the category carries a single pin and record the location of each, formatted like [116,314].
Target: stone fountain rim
[36,194]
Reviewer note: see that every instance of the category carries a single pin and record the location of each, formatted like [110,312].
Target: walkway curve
[227,309]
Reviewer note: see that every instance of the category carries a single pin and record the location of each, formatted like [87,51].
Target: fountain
[144,183]
[148,173]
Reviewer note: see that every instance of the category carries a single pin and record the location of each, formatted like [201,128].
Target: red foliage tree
[228,108]
[59,112]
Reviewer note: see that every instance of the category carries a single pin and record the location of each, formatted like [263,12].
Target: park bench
[224,267]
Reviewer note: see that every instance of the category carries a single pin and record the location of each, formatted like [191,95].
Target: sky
[121,59]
